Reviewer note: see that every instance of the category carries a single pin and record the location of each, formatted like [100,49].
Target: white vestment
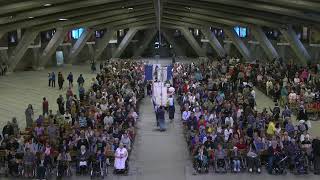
[120,160]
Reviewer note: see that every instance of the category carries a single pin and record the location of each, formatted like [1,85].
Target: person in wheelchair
[201,159]
[220,159]
[276,159]
[301,163]
[120,162]
[253,159]
[236,160]
[13,163]
[29,160]
[83,160]
[63,163]
[42,165]
[98,164]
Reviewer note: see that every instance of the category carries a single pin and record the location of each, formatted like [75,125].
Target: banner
[148,72]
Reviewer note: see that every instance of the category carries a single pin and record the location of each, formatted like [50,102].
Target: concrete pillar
[177,49]
[17,54]
[81,42]
[52,46]
[296,45]
[242,48]
[103,43]
[193,42]
[214,42]
[125,42]
[145,42]
[265,43]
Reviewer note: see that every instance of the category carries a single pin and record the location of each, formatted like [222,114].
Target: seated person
[275,153]
[236,159]
[121,156]
[13,162]
[63,161]
[29,162]
[83,158]
[220,155]
[201,158]
[42,164]
[209,144]
[253,159]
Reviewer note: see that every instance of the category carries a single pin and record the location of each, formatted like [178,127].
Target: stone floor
[17,90]
[156,155]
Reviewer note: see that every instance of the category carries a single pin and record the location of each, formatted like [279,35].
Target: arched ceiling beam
[266,8]
[84,18]
[55,9]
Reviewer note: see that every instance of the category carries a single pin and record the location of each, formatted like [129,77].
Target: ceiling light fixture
[63,19]
[30,17]
[47,5]
[130,8]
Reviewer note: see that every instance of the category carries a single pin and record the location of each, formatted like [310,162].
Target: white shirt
[227,133]
[104,107]
[186,115]
[229,120]
[171,101]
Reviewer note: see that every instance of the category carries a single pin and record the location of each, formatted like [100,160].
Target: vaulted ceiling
[47,14]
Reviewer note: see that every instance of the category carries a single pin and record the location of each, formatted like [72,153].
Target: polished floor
[156,155]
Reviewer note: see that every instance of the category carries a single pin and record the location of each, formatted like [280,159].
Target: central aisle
[159,155]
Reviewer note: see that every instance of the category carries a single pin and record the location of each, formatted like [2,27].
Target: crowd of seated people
[224,129]
[99,129]
[286,83]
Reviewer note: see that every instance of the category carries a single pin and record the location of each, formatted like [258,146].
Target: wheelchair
[122,171]
[98,169]
[243,165]
[201,164]
[279,165]
[25,169]
[221,165]
[300,164]
[63,169]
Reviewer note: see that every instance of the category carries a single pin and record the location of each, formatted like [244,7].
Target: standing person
[101,66]
[29,116]
[70,79]
[80,80]
[50,79]
[60,80]
[53,79]
[45,106]
[171,108]
[81,93]
[93,66]
[161,118]
[60,102]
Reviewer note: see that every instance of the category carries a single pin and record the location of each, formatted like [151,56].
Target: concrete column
[214,42]
[242,48]
[52,46]
[177,49]
[125,42]
[103,43]
[145,42]
[265,43]
[81,42]
[193,42]
[296,45]
[17,54]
